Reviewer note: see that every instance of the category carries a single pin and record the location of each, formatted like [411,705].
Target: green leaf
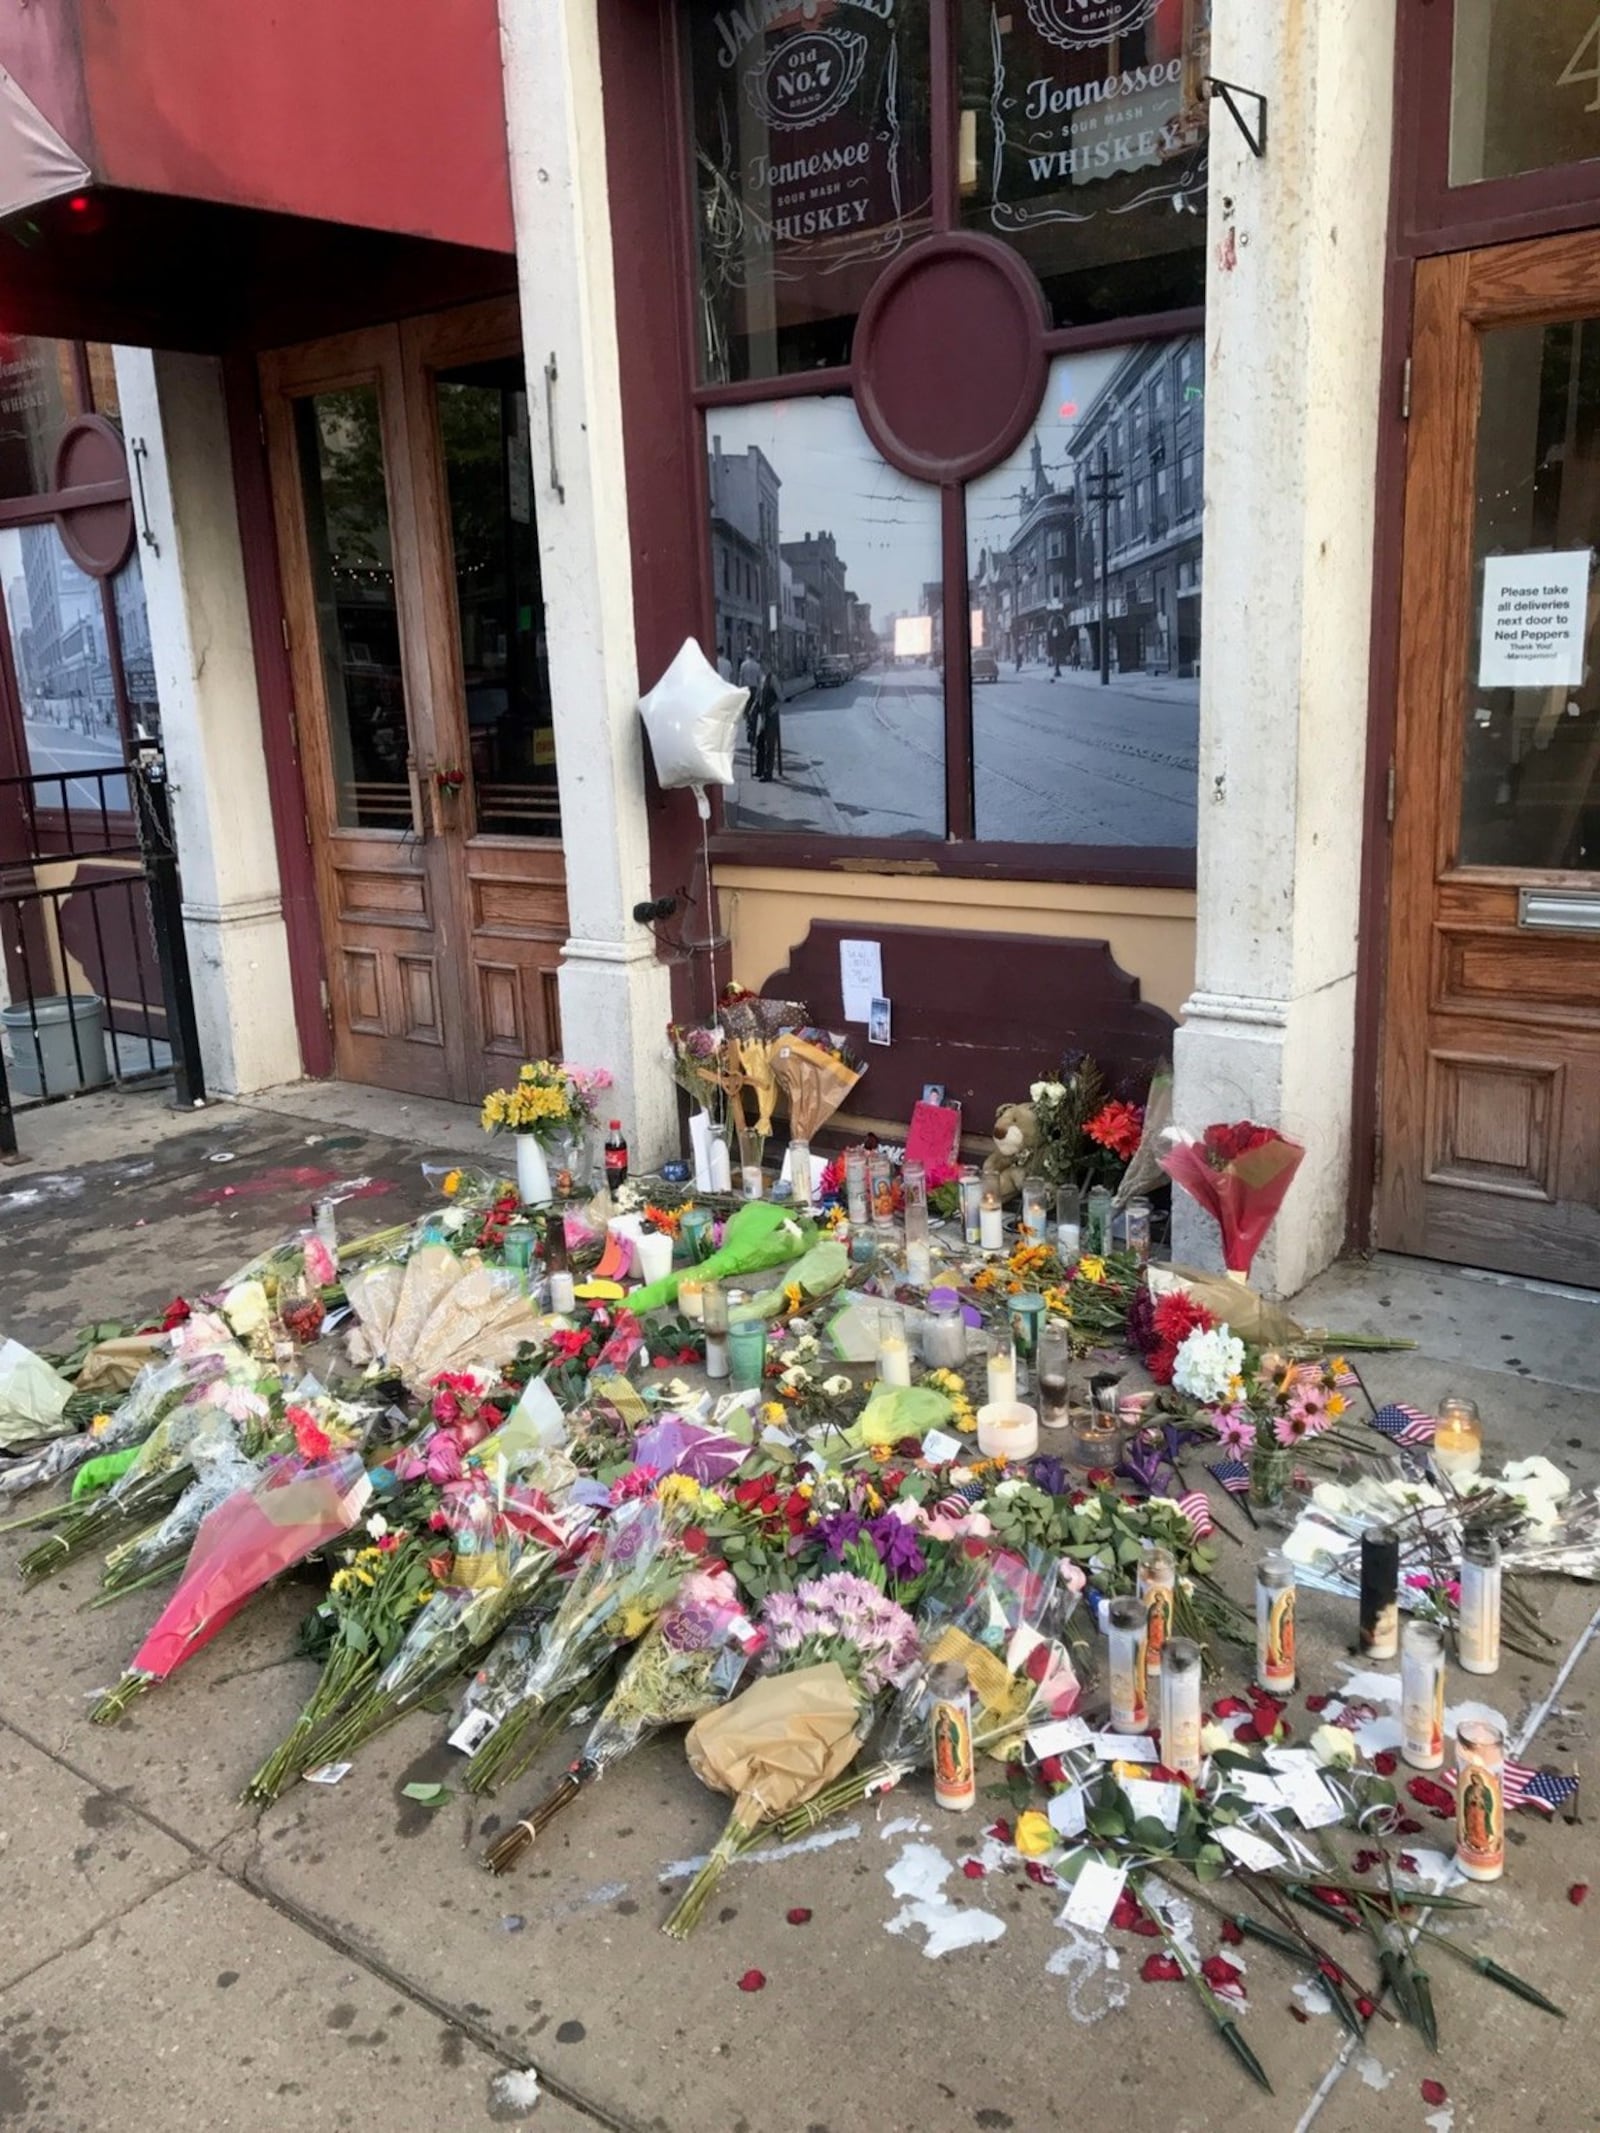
[1151,1835]
[1107,1821]
[427,1795]
[1212,1863]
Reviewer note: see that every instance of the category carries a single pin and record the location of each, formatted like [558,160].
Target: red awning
[36,164]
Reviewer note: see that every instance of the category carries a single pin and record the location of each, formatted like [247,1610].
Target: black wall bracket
[1255,138]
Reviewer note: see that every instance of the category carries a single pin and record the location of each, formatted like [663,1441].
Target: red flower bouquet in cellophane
[1239,1174]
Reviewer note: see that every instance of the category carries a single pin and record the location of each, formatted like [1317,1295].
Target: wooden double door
[1491,1060]
[405,498]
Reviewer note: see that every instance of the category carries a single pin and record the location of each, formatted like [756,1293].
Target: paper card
[880,1020]
[934,1135]
[1291,1758]
[940,1447]
[1249,1849]
[1060,1735]
[1260,1788]
[1312,1804]
[1125,1748]
[1066,1812]
[473,1730]
[1094,1896]
[329,1773]
[1535,620]
[1161,1802]
[860,978]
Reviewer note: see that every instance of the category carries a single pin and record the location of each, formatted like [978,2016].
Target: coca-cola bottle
[616,1156]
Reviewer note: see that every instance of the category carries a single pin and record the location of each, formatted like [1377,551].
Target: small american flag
[1524,1786]
[960,1499]
[1406,1425]
[1197,1511]
[1234,1475]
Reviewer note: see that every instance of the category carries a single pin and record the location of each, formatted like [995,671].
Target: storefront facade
[933,357]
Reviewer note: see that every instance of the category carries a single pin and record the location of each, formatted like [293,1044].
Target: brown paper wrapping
[112,1366]
[779,1743]
[815,1082]
[1234,1303]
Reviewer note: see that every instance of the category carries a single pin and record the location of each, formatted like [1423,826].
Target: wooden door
[439,869]
[1491,1095]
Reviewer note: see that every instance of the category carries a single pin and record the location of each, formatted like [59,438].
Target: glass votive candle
[855,1186]
[944,1332]
[519,1251]
[1007,1430]
[919,1262]
[894,1350]
[880,1190]
[1136,1229]
[1002,1372]
[692,1299]
[1026,1314]
[747,1352]
[1035,1210]
[1457,1448]
[750,1178]
[800,1173]
[1422,1695]
[1095,1439]
[1126,1629]
[1480,1799]
[991,1222]
[970,1187]
[1180,1707]
[1069,1223]
[694,1232]
[1055,1357]
[1097,1223]
[714,1311]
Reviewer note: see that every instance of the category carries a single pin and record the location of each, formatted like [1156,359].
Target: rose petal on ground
[1577,1892]
[752,1981]
[1161,1970]
[799,1916]
[1435,2092]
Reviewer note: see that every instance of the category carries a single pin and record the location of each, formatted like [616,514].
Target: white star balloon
[691,716]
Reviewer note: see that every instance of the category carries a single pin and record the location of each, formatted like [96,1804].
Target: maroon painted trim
[872,390]
[944,118]
[956,632]
[1086,865]
[49,503]
[1112,333]
[794,385]
[291,834]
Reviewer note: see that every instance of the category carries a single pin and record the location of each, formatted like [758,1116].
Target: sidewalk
[341,1959]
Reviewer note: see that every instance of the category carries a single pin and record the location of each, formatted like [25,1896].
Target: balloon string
[711,906]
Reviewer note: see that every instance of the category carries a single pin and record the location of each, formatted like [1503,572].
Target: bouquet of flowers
[546,1100]
[249,1539]
[698,1065]
[220,1466]
[1085,1137]
[816,1071]
[996,1621]
[612,1599]
[1239,1174]
[439,1313]
[372,1601]
[834,1646]
[691,1660]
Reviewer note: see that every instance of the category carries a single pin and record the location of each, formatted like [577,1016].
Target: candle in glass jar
[720,1162]
[1002,1375]
[880,1190]
[1035,1210]
[1158,1588]
[692,1300]
[1422,1695]
[1478,1616]
[1055,1353]
[919,1262]
[944,1332]
[1480,1799]
[1126,1634]
[800,1173]
[1069,1224]
[1180,1707]
[1007,1430]
[1136,1228]
[971,1190]
[855,1186]
[894,1350]
[714,1311]
[1457,1447]
[1275,1595]
[991,1224]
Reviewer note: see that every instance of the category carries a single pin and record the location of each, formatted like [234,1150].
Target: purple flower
[838,1530]
[896,1543]
[1050,1475]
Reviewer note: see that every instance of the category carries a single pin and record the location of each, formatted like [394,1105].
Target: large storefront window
[1083,144]
[1524,87]
[811,166]
[1083,557]
[63,667]
[37,399]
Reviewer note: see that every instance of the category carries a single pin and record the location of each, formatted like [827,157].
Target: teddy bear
[1016,1138]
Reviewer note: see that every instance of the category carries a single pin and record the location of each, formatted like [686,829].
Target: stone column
[615,997]
[211,720]
[1294,313]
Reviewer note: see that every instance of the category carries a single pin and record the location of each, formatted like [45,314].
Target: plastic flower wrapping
[1240,1175]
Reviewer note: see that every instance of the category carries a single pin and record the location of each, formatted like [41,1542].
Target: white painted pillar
[1294,311]
[211,721]
[615,996]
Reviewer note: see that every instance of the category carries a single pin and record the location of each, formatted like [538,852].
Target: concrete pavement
[341,1959]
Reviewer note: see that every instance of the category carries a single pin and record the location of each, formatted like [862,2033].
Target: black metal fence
[91,938]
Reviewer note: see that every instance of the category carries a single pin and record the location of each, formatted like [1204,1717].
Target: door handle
[550,426]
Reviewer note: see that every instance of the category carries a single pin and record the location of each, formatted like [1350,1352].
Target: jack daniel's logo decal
[807,78]
[1077,23]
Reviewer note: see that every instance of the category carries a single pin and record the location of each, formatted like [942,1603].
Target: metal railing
[91,938]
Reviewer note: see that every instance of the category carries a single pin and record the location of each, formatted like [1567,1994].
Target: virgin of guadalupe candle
[855,1186]
[955,1781]
[1158,1588]
[1422,1695]
[1126,1631]
[1480,1799]
[1275,1624]
[1380,1595]
[1180,1707]
[1478,1616]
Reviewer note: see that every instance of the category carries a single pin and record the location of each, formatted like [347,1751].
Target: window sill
[1092,865]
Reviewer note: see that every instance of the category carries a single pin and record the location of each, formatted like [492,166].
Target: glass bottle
[1055,1355]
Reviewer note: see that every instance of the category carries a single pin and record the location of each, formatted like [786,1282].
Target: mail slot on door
[1559,910]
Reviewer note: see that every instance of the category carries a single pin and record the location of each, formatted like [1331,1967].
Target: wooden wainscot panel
[983,1013]
[382,897]
[419,999]
[525,910]
[550,993]
[1519,974]
[500,1011]
[363,991]
[1494,1125]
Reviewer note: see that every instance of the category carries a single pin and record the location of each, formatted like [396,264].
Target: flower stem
[736,1838]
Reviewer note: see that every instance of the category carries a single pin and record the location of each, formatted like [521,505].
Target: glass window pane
[103,380]
[826,564]
[63,668]
[1530,790]
[358,622]
[1524,87]
[138,660]
[38,397]
[483,424]
[1083,144]
[810,143]
[1084,604]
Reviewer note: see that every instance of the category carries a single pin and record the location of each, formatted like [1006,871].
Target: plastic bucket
[44,1059]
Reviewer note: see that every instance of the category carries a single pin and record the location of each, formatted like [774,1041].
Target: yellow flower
[99,1424]
[341,1581]
[1091,1268]
[806,1489]
[986,1278]
[874,1500]
[793,1299]
[1337,1404]
[452,1184]
[635,1621]
[880,1452]
[1034,1834]
[966,1423]
[678,1489]
[1338,1367]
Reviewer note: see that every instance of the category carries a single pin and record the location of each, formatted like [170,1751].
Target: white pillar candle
[1002,1377]
[563,1292]
[991,1225]
[1007,1430]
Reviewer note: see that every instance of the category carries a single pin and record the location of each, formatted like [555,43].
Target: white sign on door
[1535,620]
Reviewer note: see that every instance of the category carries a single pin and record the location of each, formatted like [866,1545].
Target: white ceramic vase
[533,1172]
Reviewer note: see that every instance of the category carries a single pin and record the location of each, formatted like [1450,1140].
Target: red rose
[974,1869]
[1053,1770]
[694,1540]
[176,1314]
[1318,1703]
